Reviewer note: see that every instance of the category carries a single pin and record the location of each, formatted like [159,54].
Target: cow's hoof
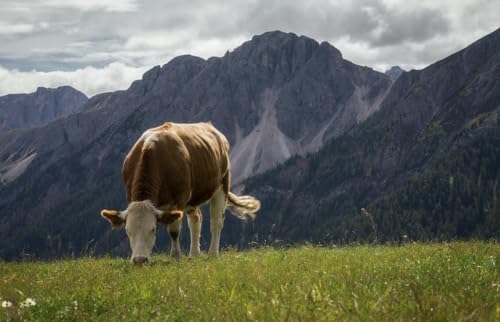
[213,253]
[194,253]
[175,254]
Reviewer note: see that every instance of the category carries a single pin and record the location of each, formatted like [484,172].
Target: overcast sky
[103,45]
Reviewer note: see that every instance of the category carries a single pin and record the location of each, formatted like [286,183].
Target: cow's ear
[115,218]
[168,217]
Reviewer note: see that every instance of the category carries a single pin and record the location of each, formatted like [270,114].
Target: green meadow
[459,281]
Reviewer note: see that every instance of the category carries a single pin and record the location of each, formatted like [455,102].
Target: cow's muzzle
[138,260]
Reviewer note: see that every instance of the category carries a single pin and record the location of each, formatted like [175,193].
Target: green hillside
[422,282]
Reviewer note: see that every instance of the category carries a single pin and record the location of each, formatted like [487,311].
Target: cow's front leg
[174,230]
[194,223]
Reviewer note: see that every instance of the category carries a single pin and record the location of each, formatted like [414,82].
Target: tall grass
[422,282]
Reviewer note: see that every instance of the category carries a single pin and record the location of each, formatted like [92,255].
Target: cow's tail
[243,207]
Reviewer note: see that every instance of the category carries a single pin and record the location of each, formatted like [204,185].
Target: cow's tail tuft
[243,207]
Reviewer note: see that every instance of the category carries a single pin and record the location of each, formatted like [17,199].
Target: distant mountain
[394,72]
[38,108]
[425,166]
[275,96]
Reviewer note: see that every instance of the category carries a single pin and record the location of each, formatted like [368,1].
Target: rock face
[394,72]
[279,95]
[275,96]
[39,108]
[425,166]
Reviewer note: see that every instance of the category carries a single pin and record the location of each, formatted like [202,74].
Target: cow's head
[140,220]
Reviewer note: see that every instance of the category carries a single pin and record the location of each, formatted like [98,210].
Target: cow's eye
[153,230]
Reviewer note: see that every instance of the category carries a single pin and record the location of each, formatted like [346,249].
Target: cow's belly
[202,194]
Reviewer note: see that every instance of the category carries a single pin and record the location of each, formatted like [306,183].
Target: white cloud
[162,45]
[15,29]
[87,5]
[69,34]
[209,47]
[155,40]
[89,80]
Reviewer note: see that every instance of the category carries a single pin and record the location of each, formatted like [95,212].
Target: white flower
[30,301]
[27,303]
[6,304]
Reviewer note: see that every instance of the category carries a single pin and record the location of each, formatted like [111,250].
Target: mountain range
[314,136]
[425,166]
[38,108]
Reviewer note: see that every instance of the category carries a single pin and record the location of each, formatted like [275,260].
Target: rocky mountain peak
[38,108]
[394,72]
[275,51]
[160,79]
[277,39]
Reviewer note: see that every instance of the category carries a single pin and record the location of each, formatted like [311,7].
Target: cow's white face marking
[141,221]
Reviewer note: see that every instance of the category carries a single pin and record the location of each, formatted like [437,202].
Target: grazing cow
[171,169]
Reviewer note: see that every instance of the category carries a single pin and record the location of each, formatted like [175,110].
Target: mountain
[336,152]
[394,72]
[275,96]
[425,166]
[38,108]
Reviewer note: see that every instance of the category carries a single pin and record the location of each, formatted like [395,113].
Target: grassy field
[422,282]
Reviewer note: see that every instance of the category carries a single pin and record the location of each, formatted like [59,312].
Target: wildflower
[6,304]
[27,303]
[30,301]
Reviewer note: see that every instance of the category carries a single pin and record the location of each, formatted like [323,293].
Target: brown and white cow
[171,169]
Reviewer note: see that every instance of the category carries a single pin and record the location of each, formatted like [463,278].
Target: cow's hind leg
[194,223]
[217,207]
[174,230]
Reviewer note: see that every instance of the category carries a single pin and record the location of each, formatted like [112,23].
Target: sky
[103,45]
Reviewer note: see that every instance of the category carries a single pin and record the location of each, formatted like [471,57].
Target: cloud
[87,5]
[15,29]
[71,35]
[89,80]
[374,22]
[395,26]
[435,31]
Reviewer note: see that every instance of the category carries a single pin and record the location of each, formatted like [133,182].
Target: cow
[172,169]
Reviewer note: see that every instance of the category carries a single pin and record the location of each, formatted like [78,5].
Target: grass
[423,282]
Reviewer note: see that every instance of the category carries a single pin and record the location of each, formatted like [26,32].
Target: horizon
[85,45]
